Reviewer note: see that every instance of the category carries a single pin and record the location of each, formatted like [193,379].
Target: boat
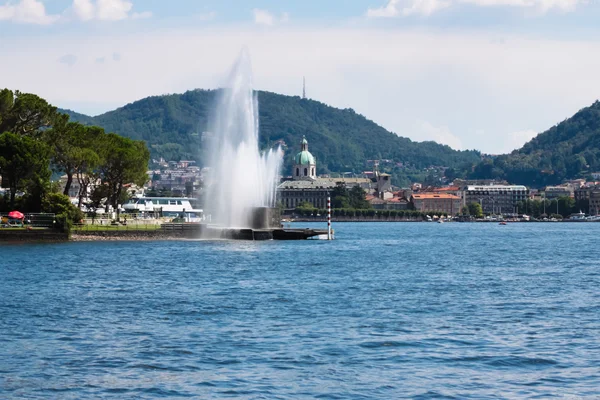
[166,206]
[580,216]
[502,223]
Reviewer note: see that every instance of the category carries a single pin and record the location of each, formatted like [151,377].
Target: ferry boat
[166,206]
[578,217]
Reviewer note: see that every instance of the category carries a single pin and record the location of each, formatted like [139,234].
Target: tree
[339,196]
[64,138]
[475,210]
[23,160]
[60,204]
[75,153]
[124,161]
[25,113]
[305,204]
[6,103]
[356,197]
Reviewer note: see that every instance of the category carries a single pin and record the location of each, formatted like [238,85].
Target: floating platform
[195,230]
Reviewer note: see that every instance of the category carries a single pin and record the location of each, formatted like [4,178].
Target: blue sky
[484,74]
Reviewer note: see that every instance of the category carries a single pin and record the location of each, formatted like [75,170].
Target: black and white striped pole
[329,218]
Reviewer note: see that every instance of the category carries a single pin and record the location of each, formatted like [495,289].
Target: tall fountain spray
[242,178]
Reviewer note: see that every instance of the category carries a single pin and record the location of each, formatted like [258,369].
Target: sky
[472,74]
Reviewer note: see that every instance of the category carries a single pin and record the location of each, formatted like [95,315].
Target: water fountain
[242,183]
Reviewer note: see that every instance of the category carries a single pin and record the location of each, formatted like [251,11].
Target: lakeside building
[453,190]
[396,202]
[554,192]
[496,199]
[436,202]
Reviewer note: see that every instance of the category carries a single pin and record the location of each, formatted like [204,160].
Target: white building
[496,199]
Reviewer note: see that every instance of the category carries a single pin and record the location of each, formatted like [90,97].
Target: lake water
[386,311]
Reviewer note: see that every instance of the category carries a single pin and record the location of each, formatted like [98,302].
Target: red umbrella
[16,215]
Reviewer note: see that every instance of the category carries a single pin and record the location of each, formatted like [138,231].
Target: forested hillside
[342,140]
[568,150]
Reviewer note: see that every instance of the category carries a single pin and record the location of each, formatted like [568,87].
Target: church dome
[304,158]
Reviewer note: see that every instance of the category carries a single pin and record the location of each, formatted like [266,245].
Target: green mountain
[342,140]
[568,150]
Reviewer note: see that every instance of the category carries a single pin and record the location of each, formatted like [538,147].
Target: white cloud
[84,9]
[395,8]
[106,10]
[542,6]
[440,134]
[424,7]
[389,10]
[264,17]
[113,10]
[142,15]
[27,12]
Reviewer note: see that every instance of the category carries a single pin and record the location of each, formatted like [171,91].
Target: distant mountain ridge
[342,140]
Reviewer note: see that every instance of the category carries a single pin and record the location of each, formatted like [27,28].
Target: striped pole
[328,218]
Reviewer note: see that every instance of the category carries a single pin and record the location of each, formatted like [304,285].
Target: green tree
[75,152]
[60,204]
[356,197]
[25,113]
[475,210]
[123,161]
[23,161]
[64,138]
[339,196]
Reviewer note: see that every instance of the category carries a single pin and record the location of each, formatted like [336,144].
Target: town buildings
[182,178]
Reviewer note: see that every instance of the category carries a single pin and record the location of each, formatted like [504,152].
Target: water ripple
[387,311]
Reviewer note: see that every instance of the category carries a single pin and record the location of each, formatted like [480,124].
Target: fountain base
[265,224]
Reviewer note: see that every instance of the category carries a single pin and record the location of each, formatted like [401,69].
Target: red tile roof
[424,196]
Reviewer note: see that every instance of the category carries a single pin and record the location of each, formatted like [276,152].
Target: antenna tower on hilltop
[304,87]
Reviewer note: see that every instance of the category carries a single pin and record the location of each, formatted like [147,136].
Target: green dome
[304,158]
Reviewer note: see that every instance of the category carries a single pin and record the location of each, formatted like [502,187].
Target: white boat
[578,217]
[167,206]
